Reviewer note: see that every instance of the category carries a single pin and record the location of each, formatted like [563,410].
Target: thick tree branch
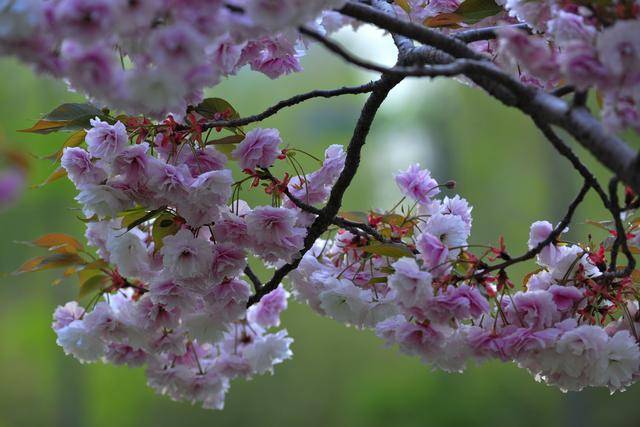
[614,153]
[420,33]
[454,68]
[255,280]
[485,33]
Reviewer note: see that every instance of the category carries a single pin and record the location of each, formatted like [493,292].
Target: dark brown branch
[290,102]
[455,68]
[338,220]
[255,280]
[553,236]
[420,33]
[326,214]
[486,33]
[620,241]
[611,151]
[562,91]
[566,152]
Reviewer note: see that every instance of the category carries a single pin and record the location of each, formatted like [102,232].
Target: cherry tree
[164,271]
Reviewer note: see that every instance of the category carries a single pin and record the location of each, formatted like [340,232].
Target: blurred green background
[338,376]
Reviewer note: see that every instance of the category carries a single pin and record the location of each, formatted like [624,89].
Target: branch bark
[611,151]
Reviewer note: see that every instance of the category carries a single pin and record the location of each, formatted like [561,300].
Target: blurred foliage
[338,376]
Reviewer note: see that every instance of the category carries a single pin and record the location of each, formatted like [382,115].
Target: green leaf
[165,225]
[227,144]
[603,225]
[73,111]
[393,250]
[133,220]
[374,280]
[67,117]
[44,127]
[210,106]
[473,11]
[92,284]
[356,216]
[94,218]
[75,140]
[60,172]
[404,4]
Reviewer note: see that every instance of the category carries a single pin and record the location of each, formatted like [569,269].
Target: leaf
[96,265]
[67,117]
[450,20]
[48,262]
[73,111]
[600,224]
[60,172]
[404,4]
[528,276]
[94,218]
[58,242]
[44,127]
[393,219]
[227,144]
[92,284]
[473,11]
[356,216]
[375,280]
[133,220]
[393,250]
[75,140]
[210,106]
[227,140]
[165,225]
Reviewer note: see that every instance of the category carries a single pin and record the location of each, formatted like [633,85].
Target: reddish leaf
[48,262]
[58,242]
[55,175]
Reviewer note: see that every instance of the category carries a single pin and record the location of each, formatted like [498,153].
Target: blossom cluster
[436,302]
[169,280]
[172,239]
[172,250]
[585,45]
[156,56]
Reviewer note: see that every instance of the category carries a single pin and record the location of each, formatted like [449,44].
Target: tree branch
[566,152]
[486,33]
[553,236]
[290,102]
[612,152]
[257,284]
[454,68]
[326,214]
[621,235]
[358,139]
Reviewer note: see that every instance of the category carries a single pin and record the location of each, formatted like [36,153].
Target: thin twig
[290,102]
[620,241]
[553,236]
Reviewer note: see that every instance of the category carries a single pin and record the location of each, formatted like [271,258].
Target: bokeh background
[338,376]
